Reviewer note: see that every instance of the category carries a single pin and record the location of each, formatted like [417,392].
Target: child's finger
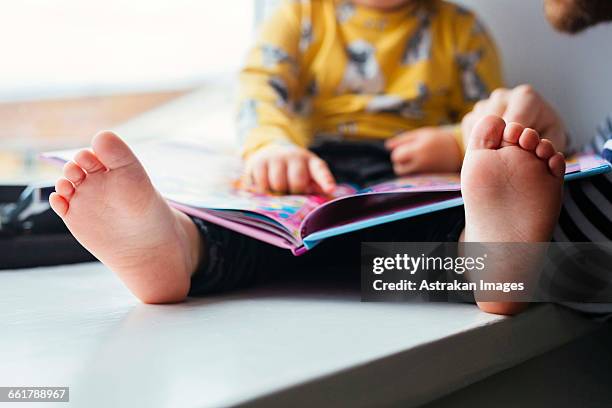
[398,140]
[403,153]
[277,175]
[259,174]
[495,105]
[402,169]
[314,188]
[298,176]
[321,175]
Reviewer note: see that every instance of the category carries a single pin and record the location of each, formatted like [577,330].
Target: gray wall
[575,73]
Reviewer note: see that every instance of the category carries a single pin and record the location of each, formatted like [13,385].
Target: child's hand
[290,169]
[425,150]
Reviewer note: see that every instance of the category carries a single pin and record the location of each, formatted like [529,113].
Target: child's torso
[370,73]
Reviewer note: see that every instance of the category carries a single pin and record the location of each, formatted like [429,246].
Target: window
[70,67]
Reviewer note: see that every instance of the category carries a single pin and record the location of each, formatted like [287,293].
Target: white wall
[75,47]
[575,73]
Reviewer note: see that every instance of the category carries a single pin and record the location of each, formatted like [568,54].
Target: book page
[414,184]
[581,163]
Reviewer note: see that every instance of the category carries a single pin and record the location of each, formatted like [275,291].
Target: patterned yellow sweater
[330,67]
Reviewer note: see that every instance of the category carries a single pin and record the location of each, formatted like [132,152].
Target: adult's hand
[523,105]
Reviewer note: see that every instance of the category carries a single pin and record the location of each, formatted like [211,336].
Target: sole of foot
[109,204]
[512,185]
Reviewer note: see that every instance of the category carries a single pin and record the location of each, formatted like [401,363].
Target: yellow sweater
[332,67]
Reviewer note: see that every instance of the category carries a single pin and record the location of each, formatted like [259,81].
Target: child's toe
[88,161]
[488,133]
[512,133]
[58,204]
[545,150]
[74,173]
[113,152]
[557,164]
[64,188]
[529,139]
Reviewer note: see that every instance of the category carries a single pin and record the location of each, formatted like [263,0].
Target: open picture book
[208,185]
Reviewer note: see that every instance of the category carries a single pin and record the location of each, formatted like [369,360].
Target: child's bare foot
[109,204]
[512,184]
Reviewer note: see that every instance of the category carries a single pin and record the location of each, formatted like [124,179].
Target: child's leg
[109,204]
[512,184]
[234,261]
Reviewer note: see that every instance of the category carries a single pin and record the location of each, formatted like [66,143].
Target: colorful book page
[414,184]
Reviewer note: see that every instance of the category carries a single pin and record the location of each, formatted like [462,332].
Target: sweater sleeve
[269,83]
[478,69]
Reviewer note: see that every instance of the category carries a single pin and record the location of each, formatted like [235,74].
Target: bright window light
[57,48]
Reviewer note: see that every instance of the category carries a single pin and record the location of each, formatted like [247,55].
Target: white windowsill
[302,341]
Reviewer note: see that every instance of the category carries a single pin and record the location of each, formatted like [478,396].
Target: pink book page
[452,182]
[256,233]
[584,163]
[417,184]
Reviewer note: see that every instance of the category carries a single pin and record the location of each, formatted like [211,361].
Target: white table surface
[301,342]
